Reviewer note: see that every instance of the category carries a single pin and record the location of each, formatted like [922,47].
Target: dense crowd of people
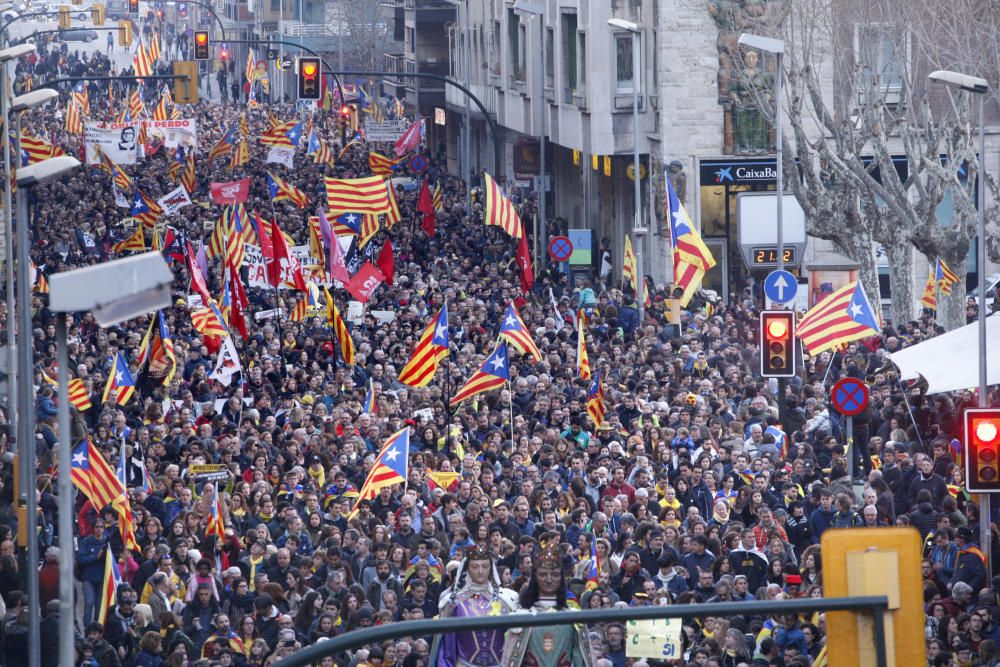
[704,483]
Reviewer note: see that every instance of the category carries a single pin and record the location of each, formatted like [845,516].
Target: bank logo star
[723,174]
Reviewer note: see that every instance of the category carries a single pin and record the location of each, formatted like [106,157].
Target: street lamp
[114,291]
[33,99]
[637,227]
[6,55]
[777,47]
[532,10]
[979,87]
[29,177]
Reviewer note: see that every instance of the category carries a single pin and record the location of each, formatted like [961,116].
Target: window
[276,6]
[882,53]
[515,46]
[624,75]
[581,46]
[569,60]
[494,49]
[550,57]
[411,39]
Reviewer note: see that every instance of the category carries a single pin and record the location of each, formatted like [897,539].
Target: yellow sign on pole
[660,639]
[607,165]
[883,561]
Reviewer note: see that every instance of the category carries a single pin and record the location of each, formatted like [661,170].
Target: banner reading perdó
[174,133]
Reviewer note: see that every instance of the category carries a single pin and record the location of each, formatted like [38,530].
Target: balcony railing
[300,29]
[486,93]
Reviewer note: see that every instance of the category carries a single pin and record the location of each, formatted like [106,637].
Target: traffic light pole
[39,33]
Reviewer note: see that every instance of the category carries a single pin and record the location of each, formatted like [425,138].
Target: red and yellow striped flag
[339,329]
[356,195]
[629,271]
[499,211]
[380,164]
[582,360]
[74,125]
[392,216]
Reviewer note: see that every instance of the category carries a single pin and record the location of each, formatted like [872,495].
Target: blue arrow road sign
[780,286]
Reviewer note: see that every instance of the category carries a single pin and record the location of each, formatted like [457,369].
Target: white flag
[174,200]
[228,363]
[121,201]
[281,155]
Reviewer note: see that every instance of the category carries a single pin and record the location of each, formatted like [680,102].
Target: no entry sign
[850,396]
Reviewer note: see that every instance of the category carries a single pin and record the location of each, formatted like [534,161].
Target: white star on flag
[440,332]
[392,454]
[497,362]
[511,321]
[856,310]
[78,458]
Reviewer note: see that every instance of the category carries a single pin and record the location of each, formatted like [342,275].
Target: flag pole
[511,405]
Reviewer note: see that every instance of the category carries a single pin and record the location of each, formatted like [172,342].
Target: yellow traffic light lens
[201,37]
[309,69]
[986,431]
[777,328]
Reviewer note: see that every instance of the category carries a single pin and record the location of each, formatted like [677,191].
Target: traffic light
[201,45]
[133,6]
[345,112]
[125,33]
[97,14]
[65,21]
[224,54]
[186,91]
[982,449]
[777,344]
[308,70]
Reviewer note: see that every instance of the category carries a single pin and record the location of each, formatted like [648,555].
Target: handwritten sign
[257,270]
[659,639]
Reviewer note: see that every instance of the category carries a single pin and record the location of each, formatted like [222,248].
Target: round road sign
[418,163]
[560,248]
[849,396]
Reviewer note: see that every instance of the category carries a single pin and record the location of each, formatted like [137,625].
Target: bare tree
[365,23]
[857,102]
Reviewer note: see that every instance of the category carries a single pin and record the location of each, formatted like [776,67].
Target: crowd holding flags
[941,277]
[390,467]
[595,400]
[120,381]
[513,330]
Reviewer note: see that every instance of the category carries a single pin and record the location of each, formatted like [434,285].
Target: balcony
[487,94]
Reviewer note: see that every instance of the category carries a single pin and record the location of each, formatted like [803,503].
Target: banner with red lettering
[173,133]
[365,282]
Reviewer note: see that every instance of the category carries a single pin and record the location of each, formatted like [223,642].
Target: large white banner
[116,140]
[257,270]
[174,133]
[174,200]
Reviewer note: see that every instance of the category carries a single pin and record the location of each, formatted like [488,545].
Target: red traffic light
[345,111]
[982,449]
[777,343]
[201,38]
[224,55]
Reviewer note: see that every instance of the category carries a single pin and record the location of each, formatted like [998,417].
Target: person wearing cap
[970,566]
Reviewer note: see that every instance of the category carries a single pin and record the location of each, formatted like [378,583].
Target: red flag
[266,249]
[409,140]
[283,259]
[238,302]
[197,280]
[524,260]
[386,262]
[234,192]
[338,269]
[365,282]
[425,205]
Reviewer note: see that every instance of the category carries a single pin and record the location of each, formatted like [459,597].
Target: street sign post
[780,286]
[850,397]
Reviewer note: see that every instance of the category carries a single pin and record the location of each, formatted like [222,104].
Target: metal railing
[874,605]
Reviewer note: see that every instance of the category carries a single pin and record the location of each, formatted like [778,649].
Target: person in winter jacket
[90,558]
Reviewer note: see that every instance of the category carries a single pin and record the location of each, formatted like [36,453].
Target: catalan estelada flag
[499,211]
[286,135]
[513,330]
[494,373]
[428,353]
[136,242]
[692,258]
[112,578]
[320,150]
[216,523]
[369,407]
[145,209]
[390,467]
[283,191]
[92,475]
[929,298]
[224,145]
[121,381]
[595,400]
[945,276]
[845,315]
[582,360]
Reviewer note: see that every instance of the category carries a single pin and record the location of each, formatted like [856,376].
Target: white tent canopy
[950,362]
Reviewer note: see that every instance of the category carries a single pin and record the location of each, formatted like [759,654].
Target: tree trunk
[900,255]
[859,247]
[951,307]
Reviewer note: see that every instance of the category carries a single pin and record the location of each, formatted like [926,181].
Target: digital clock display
[767,255]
